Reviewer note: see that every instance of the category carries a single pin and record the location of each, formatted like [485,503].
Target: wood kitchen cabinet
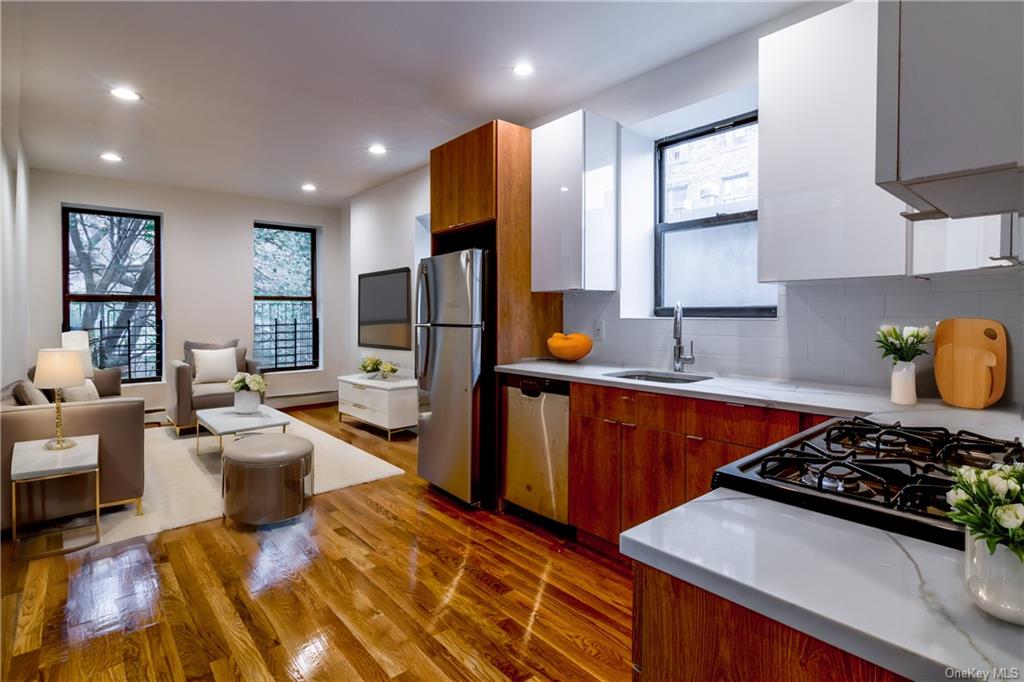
[653,473]
[463,179]
[595,476]
[703,457]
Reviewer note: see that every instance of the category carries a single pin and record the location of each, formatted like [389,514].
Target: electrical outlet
[598,330]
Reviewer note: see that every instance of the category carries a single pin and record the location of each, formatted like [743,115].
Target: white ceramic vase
[995,581]
[904,383]
[247,402]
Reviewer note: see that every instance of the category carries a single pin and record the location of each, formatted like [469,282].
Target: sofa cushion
[108,381]
[193,345]
[78,394]
[214,365]
[217,394]
[26,393]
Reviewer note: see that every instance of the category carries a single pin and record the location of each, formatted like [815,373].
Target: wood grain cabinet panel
[780,424]
[684,633]
[616,404]
[653,473]
[809,420]
[662,412]
[727,422]
[595,471]
[444,187]
[703,457]
[477,199]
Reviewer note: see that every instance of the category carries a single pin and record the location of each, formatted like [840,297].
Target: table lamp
[79,340]
[59,368]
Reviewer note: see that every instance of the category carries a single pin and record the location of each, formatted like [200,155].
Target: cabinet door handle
[362,407]
[609,421]
[736,405]
[689,437]
[629,425]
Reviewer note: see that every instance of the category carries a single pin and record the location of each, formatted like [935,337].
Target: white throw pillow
[214,365]
[80,394]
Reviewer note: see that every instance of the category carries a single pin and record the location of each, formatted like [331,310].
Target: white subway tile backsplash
[825,331]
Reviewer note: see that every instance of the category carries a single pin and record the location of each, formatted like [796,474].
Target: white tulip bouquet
[990,504]
[903,345]
[243,381]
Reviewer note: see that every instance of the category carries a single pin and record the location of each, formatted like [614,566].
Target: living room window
[111,273]
[706,235]
[286,332]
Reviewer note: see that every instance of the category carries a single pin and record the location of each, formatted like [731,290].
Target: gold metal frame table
[31,462]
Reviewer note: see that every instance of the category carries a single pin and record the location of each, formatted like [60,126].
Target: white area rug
[182,489]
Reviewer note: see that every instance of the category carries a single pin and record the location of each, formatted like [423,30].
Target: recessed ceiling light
[309,187]
[377,149]
[112,157]
[522,69]
[126,94]
[564,188]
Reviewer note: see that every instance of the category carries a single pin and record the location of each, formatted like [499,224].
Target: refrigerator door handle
[421,354]
[423,314]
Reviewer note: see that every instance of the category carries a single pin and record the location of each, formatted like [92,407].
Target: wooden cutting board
[970,361]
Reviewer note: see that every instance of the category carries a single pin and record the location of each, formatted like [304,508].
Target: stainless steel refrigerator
[450,367]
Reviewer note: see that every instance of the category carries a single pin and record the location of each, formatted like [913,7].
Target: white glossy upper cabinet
[575,203]
[951,105]
[950,245]
[820,214]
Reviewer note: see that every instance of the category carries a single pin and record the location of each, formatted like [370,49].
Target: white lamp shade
[59,368]
[79,340]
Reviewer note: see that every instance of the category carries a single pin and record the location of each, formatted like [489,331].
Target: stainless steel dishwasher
[537,446]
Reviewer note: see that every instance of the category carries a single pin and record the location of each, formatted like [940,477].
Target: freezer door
[448,360]
[449,289]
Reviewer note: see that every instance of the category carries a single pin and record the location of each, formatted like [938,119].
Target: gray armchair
[185,396]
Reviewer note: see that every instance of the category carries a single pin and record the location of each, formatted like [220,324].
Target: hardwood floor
[387,580]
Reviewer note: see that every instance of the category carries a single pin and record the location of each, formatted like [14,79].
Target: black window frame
[312,231]
[662,228]
[156,297]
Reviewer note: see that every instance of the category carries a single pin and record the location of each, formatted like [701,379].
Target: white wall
[14,176]
[384,234]
[206,243]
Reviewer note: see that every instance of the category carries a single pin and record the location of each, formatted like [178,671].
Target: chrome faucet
[679,357]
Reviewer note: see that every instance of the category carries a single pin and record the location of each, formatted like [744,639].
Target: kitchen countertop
[893,600]
[897,601]
[827,399]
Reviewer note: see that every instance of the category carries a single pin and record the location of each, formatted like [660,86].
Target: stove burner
[832,476]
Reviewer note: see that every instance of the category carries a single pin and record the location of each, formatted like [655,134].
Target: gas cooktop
[890,476]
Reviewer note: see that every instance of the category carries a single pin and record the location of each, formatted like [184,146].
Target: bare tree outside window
[112,288]
[285,326]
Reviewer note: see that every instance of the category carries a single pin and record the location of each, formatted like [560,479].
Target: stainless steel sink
[657,377]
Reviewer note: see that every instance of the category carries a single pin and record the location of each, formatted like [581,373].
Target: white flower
[954,496]
[924,332]
[1003,487]
[969,474]
[1010,515]
[886,329]
[909,331]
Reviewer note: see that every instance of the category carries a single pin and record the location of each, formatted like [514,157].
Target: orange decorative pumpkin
[571,347]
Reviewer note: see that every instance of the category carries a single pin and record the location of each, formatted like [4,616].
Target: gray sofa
[185,396]
[120,423]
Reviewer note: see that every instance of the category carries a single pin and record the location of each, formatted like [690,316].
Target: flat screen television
[384,310]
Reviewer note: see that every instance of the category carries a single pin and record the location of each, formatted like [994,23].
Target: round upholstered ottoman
[266,477]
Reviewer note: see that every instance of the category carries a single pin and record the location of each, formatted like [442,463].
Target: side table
[31,463]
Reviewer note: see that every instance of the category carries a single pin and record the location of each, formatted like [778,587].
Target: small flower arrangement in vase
[248,389]
[903,346]
[375,368]
[990,505]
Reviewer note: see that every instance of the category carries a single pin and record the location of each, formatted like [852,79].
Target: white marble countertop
[395,383]
[893,600]
[827,399]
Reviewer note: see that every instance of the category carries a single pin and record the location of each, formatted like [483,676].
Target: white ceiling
[257,98]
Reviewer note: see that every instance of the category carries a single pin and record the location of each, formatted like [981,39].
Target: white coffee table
[224,421]
[32,462]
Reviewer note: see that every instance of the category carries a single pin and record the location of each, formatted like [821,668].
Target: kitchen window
[111,286]
[706,236]
[286,330]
